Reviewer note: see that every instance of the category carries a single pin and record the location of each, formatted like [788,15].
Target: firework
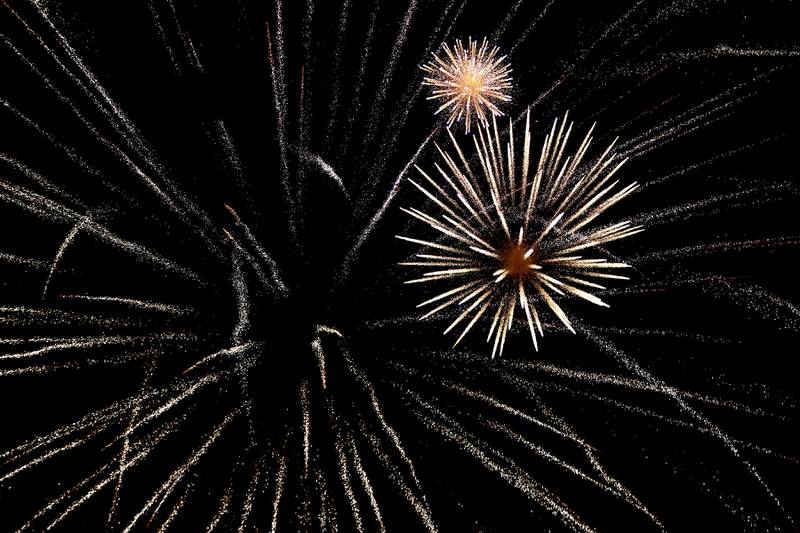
[516,235]
[472,81]
[198,336]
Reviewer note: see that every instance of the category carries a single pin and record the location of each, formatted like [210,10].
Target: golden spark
[471,81]
[514,235]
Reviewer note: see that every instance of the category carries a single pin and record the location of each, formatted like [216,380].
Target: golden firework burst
[471,81]
[513,236]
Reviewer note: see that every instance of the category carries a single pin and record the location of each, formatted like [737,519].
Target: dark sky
[702,96]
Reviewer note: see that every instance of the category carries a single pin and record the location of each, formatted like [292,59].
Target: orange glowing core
[515,261]
[472,84]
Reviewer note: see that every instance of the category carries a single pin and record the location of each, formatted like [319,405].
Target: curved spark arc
[544,210]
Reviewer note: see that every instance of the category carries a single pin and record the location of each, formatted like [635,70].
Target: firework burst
[472,81]
[205,335]
[516,235]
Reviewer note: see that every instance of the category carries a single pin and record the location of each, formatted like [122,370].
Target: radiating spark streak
[694,113]
[177,507]
[26,315]
[475,318]
[501,28]
[699,250]
[388,429]
[164,38]
[147,448]
[344,476]
[327,510]
[446,303]
[111,519]
[178,474]
[610,486]
[493,402]
[526,306]
[419,506]
[234,350]
[69,152]
[697,415]
[408,100]
[254,263]
[276,64]
[249,497]
[486,292]
[532,25]
[40,180]
[131,302]
[56,212]
[113,412]
[219,134]
[316,347]
[112,108]
[241,297]
[280,476]
[158,507]
[622,491]
[327,329]
[337,54]
[379,101]
[52,453]
[305,110]
[431,244]
[663,333]
[510,473]
[135,143]
[304,405]
[224,506]
[95,84]
[555,307]
[682,212]
[262,252]
[175,400]
[355,104]
[328,171]
[674,421]
[639,385]
[34,264]
[96,422]
[681,130]
[567,193]
[707,162]
[95,342]
[364,234]
[362,474]
[68,240]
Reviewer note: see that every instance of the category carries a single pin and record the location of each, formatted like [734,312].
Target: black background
[629,66]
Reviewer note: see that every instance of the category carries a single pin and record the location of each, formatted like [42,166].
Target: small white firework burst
[471,81]
[517,234]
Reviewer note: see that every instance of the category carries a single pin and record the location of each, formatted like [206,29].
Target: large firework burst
[209,335]
[472,81]
[512,235]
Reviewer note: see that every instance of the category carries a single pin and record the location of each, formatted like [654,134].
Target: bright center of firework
[518,261]
[472,84]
